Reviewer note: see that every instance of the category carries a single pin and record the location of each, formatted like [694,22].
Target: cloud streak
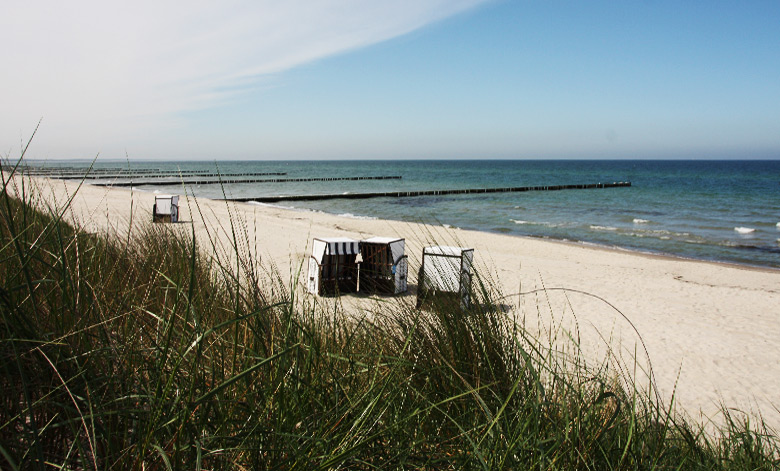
[105,73]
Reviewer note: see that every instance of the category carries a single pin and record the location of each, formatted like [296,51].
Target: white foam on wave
[272,205]
[355,216]
[660,233]
[534,223]
[778,226]
[640,221]
[744,230]
[603,228]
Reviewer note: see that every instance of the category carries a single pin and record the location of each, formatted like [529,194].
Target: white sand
[711,330]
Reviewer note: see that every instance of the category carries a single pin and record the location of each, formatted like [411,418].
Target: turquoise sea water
[712,210]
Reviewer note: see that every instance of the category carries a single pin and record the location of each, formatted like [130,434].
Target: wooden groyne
[171,174]
[226,182]
[55,172]
[406,194]
[79,173]
[33,170]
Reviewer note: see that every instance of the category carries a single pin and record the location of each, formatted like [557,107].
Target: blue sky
[424,79]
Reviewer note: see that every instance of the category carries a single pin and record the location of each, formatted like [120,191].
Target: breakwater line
[172,174]
[230,182]
[406,194]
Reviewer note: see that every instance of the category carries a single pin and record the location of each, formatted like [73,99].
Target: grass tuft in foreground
[142,353]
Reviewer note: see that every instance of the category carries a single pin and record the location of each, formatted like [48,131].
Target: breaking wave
[355,216]
[545,224]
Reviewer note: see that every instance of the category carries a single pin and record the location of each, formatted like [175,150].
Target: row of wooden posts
[245,180]
[411,193]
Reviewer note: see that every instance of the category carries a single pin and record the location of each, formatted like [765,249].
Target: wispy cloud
[106,72]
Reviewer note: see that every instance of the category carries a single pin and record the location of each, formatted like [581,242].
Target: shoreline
[659,255]
[573,242]
[710,328]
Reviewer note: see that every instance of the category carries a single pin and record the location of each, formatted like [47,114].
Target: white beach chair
[166,208]
[332,266]
[384,266]
[445,272]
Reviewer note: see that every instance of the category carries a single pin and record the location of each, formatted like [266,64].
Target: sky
[407,79]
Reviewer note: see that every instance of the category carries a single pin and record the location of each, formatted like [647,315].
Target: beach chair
[384,266]
[166,208]
[332,266]
[445,273]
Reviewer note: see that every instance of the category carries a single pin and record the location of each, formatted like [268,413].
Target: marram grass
[144,353]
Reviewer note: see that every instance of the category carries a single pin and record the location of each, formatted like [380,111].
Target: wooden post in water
[406,194]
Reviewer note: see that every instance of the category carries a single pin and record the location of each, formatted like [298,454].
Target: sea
[726,211]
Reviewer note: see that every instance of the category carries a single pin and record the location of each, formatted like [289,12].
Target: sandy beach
[710,330]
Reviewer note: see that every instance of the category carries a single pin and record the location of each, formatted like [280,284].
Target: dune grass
[146,353]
